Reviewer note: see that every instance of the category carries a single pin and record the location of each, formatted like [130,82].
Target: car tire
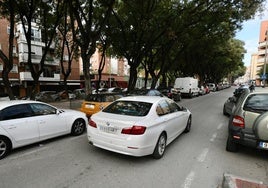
[191,95]
[176,97]
[78,127]
[5,147]
[160,147]
[231,146]
[179,97]
[188,125]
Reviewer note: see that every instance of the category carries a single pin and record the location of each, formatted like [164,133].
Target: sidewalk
[232,181]
[66,104]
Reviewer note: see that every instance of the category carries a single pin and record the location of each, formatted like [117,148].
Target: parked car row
[138,123]
[135,125]
[52,96]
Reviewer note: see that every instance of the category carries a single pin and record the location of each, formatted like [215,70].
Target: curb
[232,181]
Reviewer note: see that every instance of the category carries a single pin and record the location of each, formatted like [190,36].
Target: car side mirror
[183,108]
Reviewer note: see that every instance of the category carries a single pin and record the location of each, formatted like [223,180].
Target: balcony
[262,52]
[260,60]
[26,76]
[263,44]
[23,57]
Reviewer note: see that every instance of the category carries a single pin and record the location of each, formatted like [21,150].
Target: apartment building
[14,76]
[253,67]
[114,73]
[262,49]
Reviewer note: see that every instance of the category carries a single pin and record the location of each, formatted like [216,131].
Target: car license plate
[263,145]
[108,129]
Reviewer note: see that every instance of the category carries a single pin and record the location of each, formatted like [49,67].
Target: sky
[250,34]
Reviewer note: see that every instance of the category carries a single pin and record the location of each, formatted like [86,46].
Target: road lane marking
[203,155]
[213,137]
[41,148]
[220,126]
[189,179]
[77,137]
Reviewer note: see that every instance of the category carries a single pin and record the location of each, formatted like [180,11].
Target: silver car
[248,122]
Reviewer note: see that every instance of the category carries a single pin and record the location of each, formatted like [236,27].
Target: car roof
[149,99]
[4,104]
[258,93]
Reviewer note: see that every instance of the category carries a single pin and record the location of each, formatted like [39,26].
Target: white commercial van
[188,86]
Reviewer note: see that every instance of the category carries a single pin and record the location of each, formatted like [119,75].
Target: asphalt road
[194,160]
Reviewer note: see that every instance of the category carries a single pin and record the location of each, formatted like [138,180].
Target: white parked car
[24,122]
[212,87]
[139,125]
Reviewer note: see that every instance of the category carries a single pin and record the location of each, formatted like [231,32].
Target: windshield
[131,108]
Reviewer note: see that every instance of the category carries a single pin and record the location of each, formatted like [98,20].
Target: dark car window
[159,110]
[164,106]
[42,109]
[103,97]
[109,98]
[173,106]
[15,112]
[131,108]
[258,102]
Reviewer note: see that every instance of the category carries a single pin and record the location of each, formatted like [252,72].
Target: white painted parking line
[213,137]
[203,155]
[220,126]
[77,137]
[189,179]
[41,148]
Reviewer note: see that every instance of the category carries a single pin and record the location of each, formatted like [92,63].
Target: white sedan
[139,125]
[26,122]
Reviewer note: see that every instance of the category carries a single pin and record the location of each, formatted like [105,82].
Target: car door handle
[12,127]
[42,121]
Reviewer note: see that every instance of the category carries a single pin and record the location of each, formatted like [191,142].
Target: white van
[188,86]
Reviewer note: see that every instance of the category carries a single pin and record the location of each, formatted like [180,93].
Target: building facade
[253,67]
[262,50]
[114,72]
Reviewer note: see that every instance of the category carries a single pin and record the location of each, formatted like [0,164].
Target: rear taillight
[238,121]
[92,124]
[134,130]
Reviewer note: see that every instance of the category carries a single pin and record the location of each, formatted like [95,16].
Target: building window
[13,70]
[35,35]
[8,29]
[14,50]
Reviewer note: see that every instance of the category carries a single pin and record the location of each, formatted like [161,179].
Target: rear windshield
[257,102]
[130,108]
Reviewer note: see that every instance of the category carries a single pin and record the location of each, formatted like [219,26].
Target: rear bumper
[245,139]
[127,146]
